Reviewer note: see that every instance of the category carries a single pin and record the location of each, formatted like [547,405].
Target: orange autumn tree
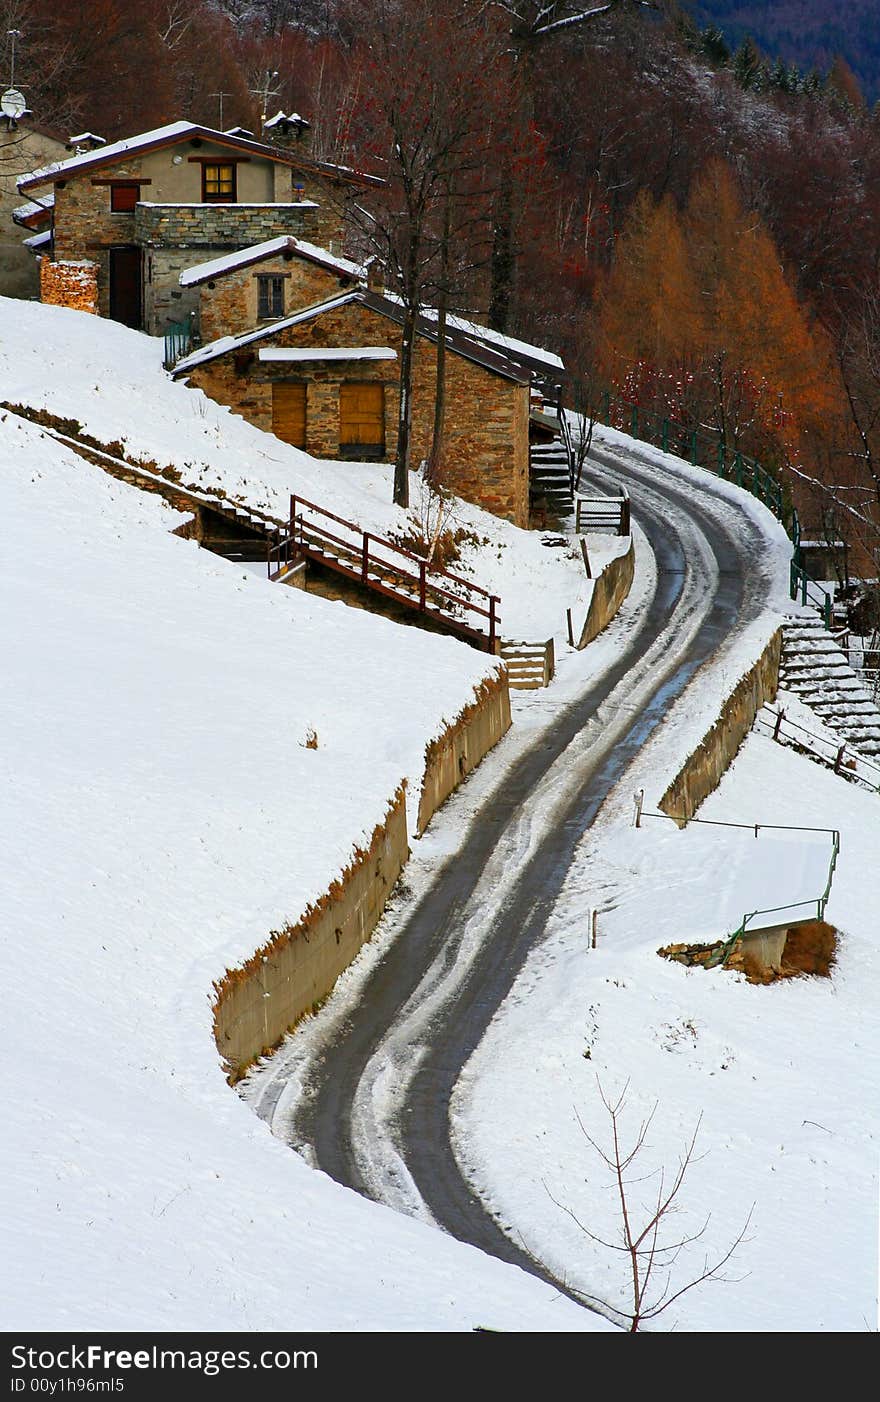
[698,320]
[649,324]
[766,377]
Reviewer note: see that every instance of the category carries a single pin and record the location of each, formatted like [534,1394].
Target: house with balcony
[128,217]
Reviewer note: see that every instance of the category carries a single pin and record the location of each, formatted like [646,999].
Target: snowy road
[374,1092]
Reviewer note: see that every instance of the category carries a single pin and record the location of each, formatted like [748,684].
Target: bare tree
[650,1251]
[421,115]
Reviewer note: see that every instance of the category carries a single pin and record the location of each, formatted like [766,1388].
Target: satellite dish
[12,103]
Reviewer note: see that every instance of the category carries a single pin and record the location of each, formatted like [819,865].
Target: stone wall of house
[175,237]
[72,284]
[169,223]
[228,305]
[486,457]
[85,227]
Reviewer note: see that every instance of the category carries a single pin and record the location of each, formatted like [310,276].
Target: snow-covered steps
[818,672]
[549,479]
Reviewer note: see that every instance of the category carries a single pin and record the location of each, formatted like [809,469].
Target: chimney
[288,130]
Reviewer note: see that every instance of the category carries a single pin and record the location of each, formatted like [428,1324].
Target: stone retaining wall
[462,745]
[703,770]
[296,969]
[609,592]
[298,966]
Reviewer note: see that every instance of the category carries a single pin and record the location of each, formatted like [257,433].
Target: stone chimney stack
[288,130]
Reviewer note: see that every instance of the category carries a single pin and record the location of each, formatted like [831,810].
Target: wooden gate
[289,413]
[362,419]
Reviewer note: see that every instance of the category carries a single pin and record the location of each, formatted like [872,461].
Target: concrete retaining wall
[609,592]
[462,745]
[257,1004]
[298,966]
[702,771]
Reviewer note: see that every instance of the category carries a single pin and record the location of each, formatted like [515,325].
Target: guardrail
[702,447]
[722,955]
[178,341]
[726,947]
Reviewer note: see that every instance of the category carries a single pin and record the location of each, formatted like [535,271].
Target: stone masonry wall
[85,227]
[228,305]
[219,226]
[703,770]
[69,285]
[486,459]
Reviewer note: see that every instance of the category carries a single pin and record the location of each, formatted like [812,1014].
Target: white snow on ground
[161,815]
[783,1076]
[110,380]
[782,1079]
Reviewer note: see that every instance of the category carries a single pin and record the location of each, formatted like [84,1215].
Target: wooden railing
[386,568]
[529,665]
[608,514]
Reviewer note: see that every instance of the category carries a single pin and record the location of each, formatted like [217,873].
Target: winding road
[375,1093]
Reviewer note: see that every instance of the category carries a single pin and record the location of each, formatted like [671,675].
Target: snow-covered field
[162,813]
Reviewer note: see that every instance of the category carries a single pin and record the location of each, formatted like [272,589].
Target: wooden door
[289,413]
[125,286]
[362,419]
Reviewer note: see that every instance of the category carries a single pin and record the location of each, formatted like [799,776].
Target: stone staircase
[816,670]
[549,481]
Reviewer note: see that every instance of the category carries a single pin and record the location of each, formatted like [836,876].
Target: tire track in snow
[373,1108]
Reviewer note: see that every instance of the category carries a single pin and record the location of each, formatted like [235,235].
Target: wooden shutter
[362,415]
[289,413]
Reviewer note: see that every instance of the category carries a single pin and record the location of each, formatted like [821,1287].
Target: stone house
[266,282]
[23,145]
[142,210]
[326,378]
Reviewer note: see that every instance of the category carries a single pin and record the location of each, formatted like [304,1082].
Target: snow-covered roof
[269,248]
[170,135]
[305,353]
[33,210]
[174,131]
[225,344]
[507,343]
[281,119]
[38,241]
[457,341]
[86,138]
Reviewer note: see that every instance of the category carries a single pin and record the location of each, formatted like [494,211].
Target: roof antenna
[264,91]
[12,102]
[220,96]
